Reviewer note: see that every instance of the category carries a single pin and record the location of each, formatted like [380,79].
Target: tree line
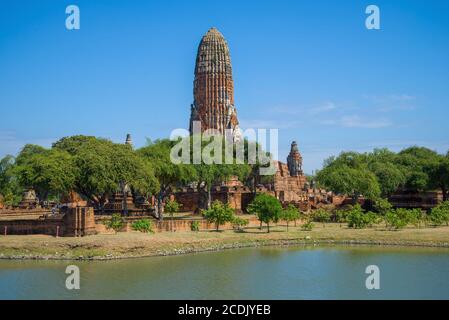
[95,168]
[380,173]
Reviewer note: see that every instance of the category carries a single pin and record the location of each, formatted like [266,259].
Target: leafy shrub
[116,222]
[239,223]
[341,216]
[372,218]
[171,207]
[321,215]
[267,208]
[143,225]
[11,199]
[307,226]
[415,217]
[219,214]
[382,206]
[289,214]
[395,219]
[356,218]
[440,214]
[195,226]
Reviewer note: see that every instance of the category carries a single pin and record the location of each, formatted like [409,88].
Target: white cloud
[392,102]
[324,108]
[355,121]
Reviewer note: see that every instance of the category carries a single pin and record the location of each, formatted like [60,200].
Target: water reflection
[304,272]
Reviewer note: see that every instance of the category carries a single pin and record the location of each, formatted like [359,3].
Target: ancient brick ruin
[213,107]
[74,222]
[213,87]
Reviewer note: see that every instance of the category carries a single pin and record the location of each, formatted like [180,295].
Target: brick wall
[75,222]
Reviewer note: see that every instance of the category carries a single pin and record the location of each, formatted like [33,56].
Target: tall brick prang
[294,161]
[213,87]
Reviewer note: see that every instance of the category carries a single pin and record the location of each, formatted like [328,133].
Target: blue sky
[309,68]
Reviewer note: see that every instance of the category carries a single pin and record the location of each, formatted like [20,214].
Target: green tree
[219,214]
[171,207]
[216,168]
[9,184]
[168,174]
[349,174]
[382,206]
[341,216]
[321,215]
[397,218]
[416,162]
[372,218]
[440,214]
[48,172]
[28,151]
[438,171]
[267,208]
[383,172]
[356,218]
[289,214]
[415,217]
[6,163]
[389,176]
[104,168]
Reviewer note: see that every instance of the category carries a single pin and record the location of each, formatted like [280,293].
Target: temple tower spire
[294,161]
[213,87]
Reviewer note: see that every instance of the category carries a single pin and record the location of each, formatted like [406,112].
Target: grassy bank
[136,244]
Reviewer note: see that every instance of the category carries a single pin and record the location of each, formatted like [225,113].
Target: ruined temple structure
[128,140]
[289,185]
[29,199]
[414,199]
[294,161]
[120,200]
[213,87]
[72,200]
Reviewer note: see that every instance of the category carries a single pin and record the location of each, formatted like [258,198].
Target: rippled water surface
[255,273]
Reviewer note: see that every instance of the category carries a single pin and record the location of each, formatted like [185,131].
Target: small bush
[172,207]
[239,223]
[414,217]
[267,208]
[341,216]
[382,206]
[219,214]
[321,215]
[440,214]
[289,214]
[143,225]
[395,219]
[116,222]
[195,226]
[356,218]
[372,218]
[308,226]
